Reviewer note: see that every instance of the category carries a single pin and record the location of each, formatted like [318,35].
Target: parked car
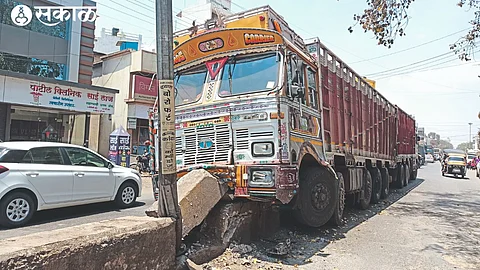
[36,176]
[429,158]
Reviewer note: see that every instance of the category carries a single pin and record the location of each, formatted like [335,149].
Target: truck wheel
[400,176]
[337,217]
[385,183]
[406,175]
[376,185]
[366,193]
[413,176]
[317,200]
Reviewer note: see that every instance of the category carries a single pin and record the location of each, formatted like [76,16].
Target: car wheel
[126,195]
[16,209]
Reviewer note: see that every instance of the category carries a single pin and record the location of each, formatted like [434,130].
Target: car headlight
[262,149]
[261,178]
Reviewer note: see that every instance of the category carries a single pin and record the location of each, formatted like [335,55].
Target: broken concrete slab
[240,221]
[198,192]
[123,243]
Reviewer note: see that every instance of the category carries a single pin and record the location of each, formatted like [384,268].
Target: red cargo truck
[285,122]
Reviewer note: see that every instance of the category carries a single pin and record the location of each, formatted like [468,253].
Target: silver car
[36,176]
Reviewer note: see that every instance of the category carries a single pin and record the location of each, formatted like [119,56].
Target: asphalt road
[77,215]
[433,223]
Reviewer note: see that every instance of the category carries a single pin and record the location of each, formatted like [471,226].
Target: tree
[387,19]
[463,146]
[442,144]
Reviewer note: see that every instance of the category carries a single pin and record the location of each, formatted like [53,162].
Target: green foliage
[387,19]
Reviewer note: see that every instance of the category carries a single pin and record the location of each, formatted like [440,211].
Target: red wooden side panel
[356,115]
[406,133]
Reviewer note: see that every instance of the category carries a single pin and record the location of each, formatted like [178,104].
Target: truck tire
[400,176]
[366,193]
[385,183]
[337,217]
[414,175]
[406,175]
[316,199]
[376,185]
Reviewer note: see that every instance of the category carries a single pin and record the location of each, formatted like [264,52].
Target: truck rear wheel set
[321,197]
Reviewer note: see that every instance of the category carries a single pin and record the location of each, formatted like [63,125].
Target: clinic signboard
[145,88]
[56,96]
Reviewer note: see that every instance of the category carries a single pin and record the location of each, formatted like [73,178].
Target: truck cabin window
[245,74]
[295,76]
[189,85]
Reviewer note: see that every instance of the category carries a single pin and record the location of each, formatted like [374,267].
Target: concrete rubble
[198,193]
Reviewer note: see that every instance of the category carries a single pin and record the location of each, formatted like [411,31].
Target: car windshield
[249,74]
[471,156]
[456,159]
[189,85]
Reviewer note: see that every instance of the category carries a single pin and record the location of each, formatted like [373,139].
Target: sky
[443,96]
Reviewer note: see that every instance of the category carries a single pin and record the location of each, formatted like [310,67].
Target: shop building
[130,72]
[46,91]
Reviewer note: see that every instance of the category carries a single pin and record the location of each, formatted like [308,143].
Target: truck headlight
[261,178]
[262,149]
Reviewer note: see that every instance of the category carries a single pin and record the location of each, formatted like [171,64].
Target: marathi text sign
[167,126]
[26,92]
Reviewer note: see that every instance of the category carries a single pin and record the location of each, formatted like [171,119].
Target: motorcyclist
[147,155]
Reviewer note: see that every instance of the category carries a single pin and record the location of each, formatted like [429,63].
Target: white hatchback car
[37,176]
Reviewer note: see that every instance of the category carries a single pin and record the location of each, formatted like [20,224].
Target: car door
[46,169]
[92,179]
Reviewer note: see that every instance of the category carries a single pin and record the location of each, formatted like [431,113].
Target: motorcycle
[142,165]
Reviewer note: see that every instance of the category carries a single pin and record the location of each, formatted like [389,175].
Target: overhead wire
[413,47]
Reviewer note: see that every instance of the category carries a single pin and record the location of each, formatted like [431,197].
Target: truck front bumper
[255,181]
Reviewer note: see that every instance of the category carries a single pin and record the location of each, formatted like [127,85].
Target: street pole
[167,171]
[470,137]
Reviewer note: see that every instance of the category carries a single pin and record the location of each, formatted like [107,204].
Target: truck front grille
[188,145]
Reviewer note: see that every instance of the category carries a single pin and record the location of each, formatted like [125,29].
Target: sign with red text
[144,88]
[57,96]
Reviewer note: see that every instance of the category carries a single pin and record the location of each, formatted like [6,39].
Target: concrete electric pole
[167,171]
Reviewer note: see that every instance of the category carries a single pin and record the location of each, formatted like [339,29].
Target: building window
[59,30]
[33,66]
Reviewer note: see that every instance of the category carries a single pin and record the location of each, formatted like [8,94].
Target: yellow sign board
[223,41]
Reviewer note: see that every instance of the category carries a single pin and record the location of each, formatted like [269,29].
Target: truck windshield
[249,74]
[189,85]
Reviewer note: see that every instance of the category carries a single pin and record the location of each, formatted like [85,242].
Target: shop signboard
[57,96]
[119,149]
[144,88]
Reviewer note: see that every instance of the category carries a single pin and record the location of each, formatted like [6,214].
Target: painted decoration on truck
[212,43]
[304,123]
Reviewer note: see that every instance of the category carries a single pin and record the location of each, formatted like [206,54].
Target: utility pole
[470,137]
[167,171]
